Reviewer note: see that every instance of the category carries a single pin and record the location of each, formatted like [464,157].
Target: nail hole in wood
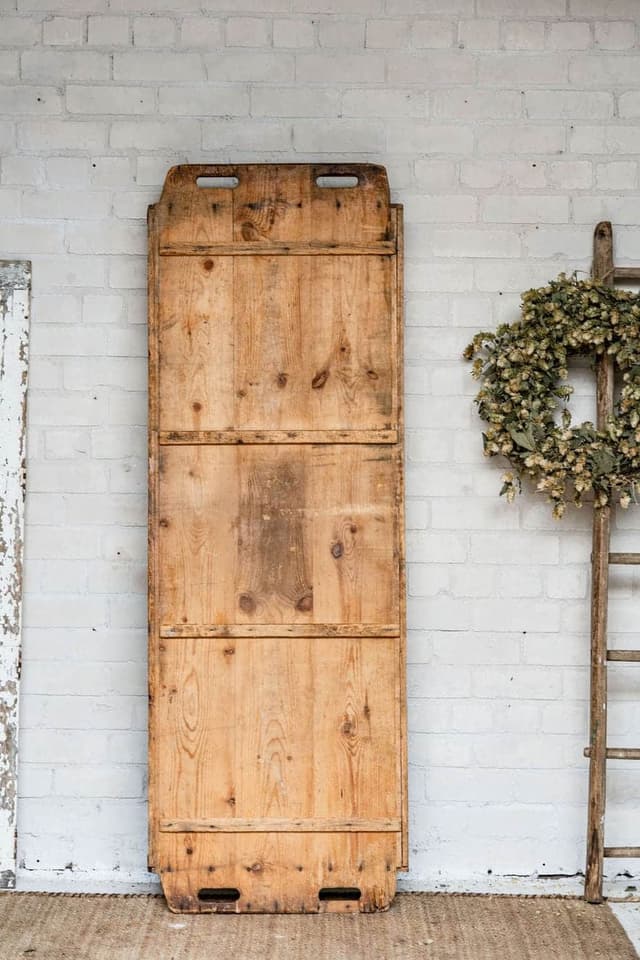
[340,893]
[217,183]
[219,894]
[336,182]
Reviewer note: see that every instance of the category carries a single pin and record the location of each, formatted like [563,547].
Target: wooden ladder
[598,752]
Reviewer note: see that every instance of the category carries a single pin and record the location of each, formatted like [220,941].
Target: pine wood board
[276,540]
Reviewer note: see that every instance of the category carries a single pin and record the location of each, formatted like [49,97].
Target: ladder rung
[626,273]
[618,753]
[629,656]
[625,558]
[622,851]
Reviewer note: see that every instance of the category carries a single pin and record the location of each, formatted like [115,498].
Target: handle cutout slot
[217,183]
[340,893]
[336,181]
[219,894]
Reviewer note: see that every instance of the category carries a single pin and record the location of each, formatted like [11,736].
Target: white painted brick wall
[508,131]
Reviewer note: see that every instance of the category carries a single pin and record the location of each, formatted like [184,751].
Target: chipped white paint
[15,291]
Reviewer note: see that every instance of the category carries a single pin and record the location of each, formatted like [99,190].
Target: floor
[37,926]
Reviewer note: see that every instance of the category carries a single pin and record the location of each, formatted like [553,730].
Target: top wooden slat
[280,203]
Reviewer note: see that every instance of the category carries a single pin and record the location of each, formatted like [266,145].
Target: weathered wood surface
[603,270]
[15,288]
[277,705]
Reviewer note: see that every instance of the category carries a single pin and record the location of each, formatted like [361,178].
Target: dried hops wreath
[523,399]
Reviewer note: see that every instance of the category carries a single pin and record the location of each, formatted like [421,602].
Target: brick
[252,66]
[570,174]
[568,104]
[25,100]
[523,35]
[20,31]
[63,204]
[239,135]
[63,31]
[534,209]
[468,104]
[67,171]
[432,34]
[155,134]
[248,32]
[51,135]
[614,35]
[617,175]
[508,8]
[401,102]
[109,31]
[201,31]
[387,34]
[294,102]
[64,66]
[569,35]
[441,67]
[423,137]
[293,33]
[111,171]
[479,34]
[602,70]
[337,32]
[522,70]
[26,238]
[455,242]
[205,100]
[25,171]
[151,31]
[339,67]
[96,238]
[110,100]
[345,136]
[134,67]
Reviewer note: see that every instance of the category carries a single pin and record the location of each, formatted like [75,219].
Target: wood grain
[288,825]
[277,742]
[603,270]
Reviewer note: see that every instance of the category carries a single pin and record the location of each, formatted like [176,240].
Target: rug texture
[418,927]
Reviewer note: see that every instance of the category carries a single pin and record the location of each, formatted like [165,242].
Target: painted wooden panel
[276,612]
[15,293]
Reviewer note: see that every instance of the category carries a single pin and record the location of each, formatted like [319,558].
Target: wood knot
[352,528]
[241,393]
[372,375]
[229,651]
[319,380]
[337,550]
[208,265]
[247,603]
[196,405]
[249,231]
[305,603]
[348,728]
[281,379]
[163,522]
[255,868]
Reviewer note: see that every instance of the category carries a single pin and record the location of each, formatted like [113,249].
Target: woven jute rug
[418,927]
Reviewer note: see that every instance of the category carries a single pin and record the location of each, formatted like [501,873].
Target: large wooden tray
[276,540]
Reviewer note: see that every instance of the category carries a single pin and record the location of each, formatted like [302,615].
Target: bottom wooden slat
[278,872]
[622,852]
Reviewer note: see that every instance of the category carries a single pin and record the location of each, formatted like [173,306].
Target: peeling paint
[15,297]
